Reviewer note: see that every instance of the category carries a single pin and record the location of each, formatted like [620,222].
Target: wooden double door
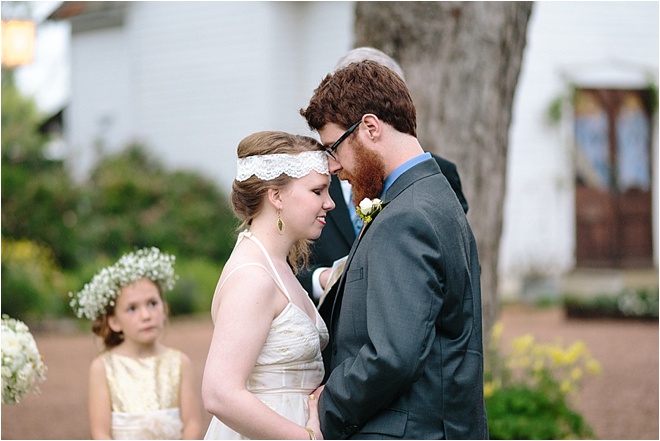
[613,195]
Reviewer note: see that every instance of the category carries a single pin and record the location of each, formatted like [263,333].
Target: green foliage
[194,290]
[21,140]
[32,285]
[131,201]
[528,391]
[520,412]
[640,303]
[38,196]
[555,110]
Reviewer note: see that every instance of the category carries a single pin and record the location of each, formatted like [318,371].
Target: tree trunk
[461,61]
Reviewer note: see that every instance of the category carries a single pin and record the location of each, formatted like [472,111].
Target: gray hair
[369,53]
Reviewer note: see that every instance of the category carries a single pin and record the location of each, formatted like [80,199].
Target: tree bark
[461,61]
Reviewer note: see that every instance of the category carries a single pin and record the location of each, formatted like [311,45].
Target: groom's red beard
[368,177]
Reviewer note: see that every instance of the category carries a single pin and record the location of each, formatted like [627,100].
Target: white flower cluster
[105,286]
[22,366]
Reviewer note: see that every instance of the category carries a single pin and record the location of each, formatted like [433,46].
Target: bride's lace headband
[267,167]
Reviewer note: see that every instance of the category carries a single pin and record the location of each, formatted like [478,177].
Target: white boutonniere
[369,208]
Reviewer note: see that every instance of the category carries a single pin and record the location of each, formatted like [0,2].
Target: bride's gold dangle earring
[280,223]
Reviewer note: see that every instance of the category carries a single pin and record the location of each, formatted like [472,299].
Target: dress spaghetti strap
[274,274]
[278,279]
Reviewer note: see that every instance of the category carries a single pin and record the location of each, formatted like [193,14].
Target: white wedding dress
[290,366]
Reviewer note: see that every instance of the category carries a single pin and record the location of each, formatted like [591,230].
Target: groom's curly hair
[249,196]
[344,96]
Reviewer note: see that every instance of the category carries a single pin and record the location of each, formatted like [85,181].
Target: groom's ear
[373,126]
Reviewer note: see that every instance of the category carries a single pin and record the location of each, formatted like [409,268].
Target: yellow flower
[576,373]
[594,367]
[522,344]
[489,389]
[565,386]
[574,352]
[557,355]
[496,333]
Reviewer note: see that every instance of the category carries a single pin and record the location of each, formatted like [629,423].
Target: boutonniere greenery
[369,208]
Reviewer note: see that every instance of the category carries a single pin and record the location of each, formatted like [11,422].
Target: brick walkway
[622,404]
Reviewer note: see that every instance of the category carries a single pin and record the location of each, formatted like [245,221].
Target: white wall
[539,216]
[191,79]
[102,76]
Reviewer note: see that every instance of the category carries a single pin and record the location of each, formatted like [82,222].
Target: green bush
[640,303]
[32,285]
[132,201]
[129,201]
[194,289]
[528,391]
[39,198]
[521,412]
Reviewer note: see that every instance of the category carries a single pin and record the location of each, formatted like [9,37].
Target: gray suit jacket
[406,341]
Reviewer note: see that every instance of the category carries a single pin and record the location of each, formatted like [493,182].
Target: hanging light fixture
[18,39]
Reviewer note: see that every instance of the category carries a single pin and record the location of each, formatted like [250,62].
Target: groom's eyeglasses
[341,139]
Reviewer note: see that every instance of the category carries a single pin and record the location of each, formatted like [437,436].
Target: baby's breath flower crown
[105,286]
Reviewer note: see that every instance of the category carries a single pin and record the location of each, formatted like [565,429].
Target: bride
[265,359]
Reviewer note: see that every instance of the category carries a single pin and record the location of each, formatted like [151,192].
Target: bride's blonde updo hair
[248,196]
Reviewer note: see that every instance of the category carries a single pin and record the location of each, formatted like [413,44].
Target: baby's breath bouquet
[22,366]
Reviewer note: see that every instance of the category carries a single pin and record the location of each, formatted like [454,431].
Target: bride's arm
[248,303]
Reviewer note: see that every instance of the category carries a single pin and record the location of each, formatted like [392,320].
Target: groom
[406,345]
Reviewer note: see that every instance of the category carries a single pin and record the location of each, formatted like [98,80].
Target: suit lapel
[419,171]
[408,178]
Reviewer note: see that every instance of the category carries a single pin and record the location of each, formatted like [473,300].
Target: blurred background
[120,122]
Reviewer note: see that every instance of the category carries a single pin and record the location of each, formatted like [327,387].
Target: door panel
[613,178]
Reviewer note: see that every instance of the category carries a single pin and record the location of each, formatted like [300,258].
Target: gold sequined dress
[145,395]
[290,366]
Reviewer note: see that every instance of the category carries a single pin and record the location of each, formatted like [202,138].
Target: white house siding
[191,79]
[102,76]
[563,39]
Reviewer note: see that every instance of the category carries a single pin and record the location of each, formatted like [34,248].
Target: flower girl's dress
[145,395]
[290,366]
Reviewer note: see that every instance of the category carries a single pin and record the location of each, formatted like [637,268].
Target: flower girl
[138,388]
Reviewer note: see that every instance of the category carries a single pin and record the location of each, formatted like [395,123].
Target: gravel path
[621,404]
